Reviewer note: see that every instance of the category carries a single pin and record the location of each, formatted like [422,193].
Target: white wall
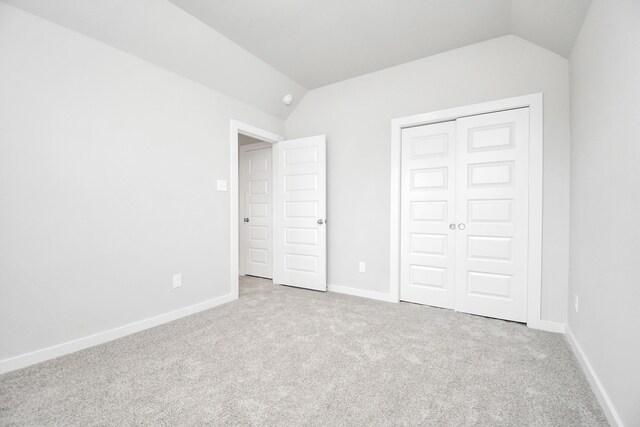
[356,117]
[108,169]
[605,200]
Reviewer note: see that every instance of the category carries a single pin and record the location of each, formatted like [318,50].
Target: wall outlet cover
[362,267]
[177,280]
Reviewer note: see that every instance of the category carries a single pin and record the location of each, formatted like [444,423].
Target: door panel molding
[534,245]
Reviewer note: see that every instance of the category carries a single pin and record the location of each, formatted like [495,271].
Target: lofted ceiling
[316,43]
[161,33]
[257,51]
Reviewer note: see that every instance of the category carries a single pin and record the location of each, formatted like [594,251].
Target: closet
[464,214]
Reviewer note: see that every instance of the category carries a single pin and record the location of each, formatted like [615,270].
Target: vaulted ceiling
[320,42]
[161,33]
[256,51]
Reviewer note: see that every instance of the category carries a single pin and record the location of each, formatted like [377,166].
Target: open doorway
[255,209]
[251,203]
[297,211]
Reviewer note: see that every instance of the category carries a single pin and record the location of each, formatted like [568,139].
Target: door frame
[242,188]
[534,258]
[237,127]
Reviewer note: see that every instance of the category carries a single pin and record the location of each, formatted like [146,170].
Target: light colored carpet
[286,356]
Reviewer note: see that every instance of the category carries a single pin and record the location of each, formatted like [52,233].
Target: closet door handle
[246,220]
[461,226]
[452,226]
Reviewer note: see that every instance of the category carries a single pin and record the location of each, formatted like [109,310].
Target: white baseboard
[594,381]
[381,296]
[52,352]
[546,325]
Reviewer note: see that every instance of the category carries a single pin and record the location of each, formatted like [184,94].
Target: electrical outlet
[177,280]
[362,267]
[575,303]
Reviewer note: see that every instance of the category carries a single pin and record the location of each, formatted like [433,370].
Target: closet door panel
[492,214]
[427,209]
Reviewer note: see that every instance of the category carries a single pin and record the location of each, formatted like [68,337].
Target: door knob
[461,226]
[246,220]
[320,221]
[452,226]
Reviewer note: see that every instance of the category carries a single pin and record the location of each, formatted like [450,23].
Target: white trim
[602,396]
[235,128]
[381,296]
[535,104]
[536,172]
[58,350]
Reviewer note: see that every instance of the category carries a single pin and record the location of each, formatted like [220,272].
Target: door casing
[534,259]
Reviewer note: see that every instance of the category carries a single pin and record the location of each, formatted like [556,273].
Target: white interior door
[256,243]
[464,214]
[427,273]
[300,243]
[492,214]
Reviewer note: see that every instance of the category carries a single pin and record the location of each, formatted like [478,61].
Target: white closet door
[300,243]
[257,222]
[492,214]
[427,273]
